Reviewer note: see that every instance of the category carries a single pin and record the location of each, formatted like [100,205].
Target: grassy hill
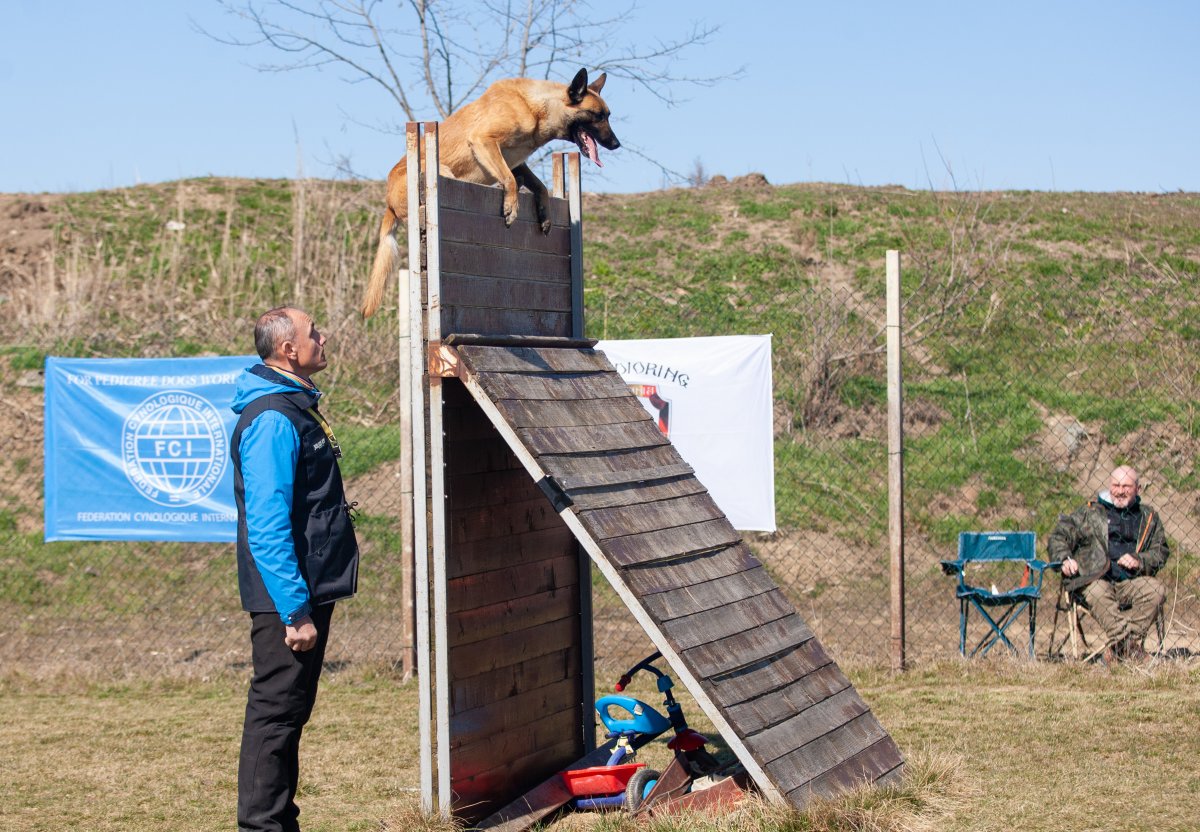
[1049,337]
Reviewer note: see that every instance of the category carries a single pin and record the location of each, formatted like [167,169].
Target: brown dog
[488,141]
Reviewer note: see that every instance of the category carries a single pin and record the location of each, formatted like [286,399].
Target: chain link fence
[1047,340]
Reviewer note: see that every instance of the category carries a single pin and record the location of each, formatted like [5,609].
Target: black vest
[322,530]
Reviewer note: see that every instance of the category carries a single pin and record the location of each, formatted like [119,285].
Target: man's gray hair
[273,328]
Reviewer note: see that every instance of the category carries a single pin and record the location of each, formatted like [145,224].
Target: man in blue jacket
[296,555]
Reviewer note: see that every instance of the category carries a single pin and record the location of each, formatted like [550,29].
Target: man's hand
[1070,568]
[300,636]
[1129,562]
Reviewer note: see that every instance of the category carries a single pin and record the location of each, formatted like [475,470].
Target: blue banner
[138,448]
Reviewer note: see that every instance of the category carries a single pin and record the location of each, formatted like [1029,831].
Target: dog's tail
[386,257]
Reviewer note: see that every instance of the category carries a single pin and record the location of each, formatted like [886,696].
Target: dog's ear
[598,84]
[578,88]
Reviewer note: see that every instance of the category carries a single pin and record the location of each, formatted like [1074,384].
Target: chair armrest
[952,567]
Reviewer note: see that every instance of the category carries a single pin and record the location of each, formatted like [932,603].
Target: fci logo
[174,448]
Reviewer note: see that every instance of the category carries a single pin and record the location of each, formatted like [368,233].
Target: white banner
[712,397]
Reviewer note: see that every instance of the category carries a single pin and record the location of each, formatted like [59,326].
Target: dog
[488,141]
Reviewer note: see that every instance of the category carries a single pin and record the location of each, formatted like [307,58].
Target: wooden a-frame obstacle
[532,460]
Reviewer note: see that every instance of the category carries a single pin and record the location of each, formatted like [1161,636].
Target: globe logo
[174,448]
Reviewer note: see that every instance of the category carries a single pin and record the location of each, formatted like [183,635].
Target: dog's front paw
[510,212]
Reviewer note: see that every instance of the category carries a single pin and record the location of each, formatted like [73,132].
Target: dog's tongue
[589,146]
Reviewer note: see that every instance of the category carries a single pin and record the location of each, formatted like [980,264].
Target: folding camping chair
[1076,612]
[976,549]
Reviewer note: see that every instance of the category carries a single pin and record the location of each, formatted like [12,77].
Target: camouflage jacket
[1083,535]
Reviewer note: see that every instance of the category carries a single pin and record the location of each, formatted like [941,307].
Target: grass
[992,745]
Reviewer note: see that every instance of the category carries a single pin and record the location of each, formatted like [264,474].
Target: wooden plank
[638,519]
[600,479]
[545,798]
[661,576]
[471,726]
[469,592]
[458,195]
[826,753]
[471,456]
[613,496]
[546,731]
[666,606]
[489,261]
[724,621]
[779,704]
[550,413]
[480,556]
[670,544]
[486,321]
[807,725]
[559,342]
[746,648]
[564,466]
[565,387]
[533,360]
[490,488]
[591,438]
[768,675]
[484,230]
[516,517]
[504,293]
[514,679]
[879,764]
[512,615]
[493,653]
[484,793]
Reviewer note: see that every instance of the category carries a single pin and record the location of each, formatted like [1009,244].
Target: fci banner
[138,448]
[713,398]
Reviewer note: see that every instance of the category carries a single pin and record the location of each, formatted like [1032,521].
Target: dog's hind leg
[386,256]
[541,197]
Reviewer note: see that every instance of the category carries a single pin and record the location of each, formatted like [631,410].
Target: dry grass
[993,745]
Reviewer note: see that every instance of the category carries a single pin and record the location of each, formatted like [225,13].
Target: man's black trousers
[282,692]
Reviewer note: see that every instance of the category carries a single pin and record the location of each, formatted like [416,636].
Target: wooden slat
[457,195]
[489,261]
[521,236]
[478,556]
[641,549]
[662,576]
[769,675]
[478,796]
[623,495]
[808,725]
[502,521]
[880,763]
[731,619]
[533,360]
[490,488]
[545,731]
[600,479]
[488,321]
[638,519]
[775,706]
[510,714]
[514,679]
[512,615]
[504,293]
[666,606]
[514,648]
[640,434]
[745,648]
[476,455]
[469,592]
[560,387]
[825,753]
[565,466]
[550,413]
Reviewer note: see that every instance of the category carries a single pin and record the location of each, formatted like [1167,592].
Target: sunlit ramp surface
[753,665]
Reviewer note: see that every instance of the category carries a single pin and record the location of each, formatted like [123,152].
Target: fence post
[408,613]
[895,458]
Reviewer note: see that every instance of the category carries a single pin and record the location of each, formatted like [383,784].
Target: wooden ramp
[727,631]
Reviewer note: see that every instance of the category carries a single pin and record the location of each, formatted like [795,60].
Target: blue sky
[1069,95]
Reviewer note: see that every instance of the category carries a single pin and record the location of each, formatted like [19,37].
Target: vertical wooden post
[417,365]
[895,458]
[575,202]
[557,176]
[408,595]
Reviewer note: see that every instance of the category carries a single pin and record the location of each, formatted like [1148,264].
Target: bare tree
[432,56]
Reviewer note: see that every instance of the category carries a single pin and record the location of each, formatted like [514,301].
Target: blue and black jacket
[295,546]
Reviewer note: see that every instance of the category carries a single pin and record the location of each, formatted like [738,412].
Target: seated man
[1110,550]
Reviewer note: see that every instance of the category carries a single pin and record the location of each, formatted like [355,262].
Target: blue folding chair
[978,548]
